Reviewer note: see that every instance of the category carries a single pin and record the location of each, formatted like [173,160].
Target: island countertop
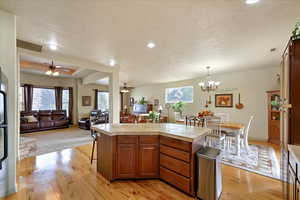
[177,131]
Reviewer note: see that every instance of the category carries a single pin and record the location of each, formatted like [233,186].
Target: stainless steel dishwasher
[209,173]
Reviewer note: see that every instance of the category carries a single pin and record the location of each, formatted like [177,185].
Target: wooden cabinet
[148,156]
[126,160]
[137,157]
[273,117]
[148,160]
[176,163]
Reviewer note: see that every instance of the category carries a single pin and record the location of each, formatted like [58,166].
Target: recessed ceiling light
[150,45]
[251,1]
[112,62]
[53,46]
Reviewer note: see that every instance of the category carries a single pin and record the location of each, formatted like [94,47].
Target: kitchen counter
[177,131]
[161,151]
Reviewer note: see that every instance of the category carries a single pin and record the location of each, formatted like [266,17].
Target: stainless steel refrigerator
[3,134]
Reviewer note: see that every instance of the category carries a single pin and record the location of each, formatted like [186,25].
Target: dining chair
[215,138]
[190,120]
[230,137]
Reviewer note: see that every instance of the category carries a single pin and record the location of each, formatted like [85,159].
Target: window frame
[49,88]
[188,86]
[102,91]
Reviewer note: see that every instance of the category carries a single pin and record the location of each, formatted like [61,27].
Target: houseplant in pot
[178,109]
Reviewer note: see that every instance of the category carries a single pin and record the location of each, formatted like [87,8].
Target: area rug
[38,143]
[261,160]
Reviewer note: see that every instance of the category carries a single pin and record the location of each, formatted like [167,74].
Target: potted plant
[178,109]
[154,116]
[143,101]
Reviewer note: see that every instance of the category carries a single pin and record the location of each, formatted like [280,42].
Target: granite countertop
[177,131]
[295,151]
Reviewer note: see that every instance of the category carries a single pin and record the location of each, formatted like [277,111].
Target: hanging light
[51,70]
[209,84]
[125,89]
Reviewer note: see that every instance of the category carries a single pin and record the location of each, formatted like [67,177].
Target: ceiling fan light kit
[52,70]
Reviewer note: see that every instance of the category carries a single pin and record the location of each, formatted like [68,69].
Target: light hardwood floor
[68,175]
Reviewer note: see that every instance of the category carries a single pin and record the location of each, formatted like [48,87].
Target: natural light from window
[43,99]
[184,94]
[21,98]
[103,101]
[65,101]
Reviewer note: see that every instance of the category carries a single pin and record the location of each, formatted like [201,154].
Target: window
[184,94]
[21,98]
[65,101]
[43,99]
[103,101]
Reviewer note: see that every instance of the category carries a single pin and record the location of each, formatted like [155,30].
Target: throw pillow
[31,118]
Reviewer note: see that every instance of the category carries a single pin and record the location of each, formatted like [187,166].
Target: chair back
[190,120]
[214,124]
[246,133]
[224,116]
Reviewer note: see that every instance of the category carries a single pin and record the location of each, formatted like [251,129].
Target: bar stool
[94,136]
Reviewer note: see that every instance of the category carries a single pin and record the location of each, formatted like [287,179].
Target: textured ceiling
[228,35]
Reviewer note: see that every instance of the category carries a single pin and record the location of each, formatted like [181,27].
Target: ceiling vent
[29,46]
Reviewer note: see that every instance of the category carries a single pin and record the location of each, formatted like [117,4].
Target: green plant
[154,116]
[275,103]
[296,31]
[178,107]
[143,101]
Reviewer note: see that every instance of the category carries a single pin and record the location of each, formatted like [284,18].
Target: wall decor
[156,102]
[224,100]
[131,101]
[239,105]
[86,101]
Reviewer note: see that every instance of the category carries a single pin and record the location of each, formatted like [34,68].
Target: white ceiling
[228,35]
[80,73]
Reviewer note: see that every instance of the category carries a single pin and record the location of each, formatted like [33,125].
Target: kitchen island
[139,151]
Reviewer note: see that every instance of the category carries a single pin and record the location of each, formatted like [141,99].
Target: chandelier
[209,84]
[52,70]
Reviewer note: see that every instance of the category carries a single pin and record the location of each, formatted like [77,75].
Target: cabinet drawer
[173,164]
[149,139]
[127,139]
[181,155]
[172,178]
[178,144]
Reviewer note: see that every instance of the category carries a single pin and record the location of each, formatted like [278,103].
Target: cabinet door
[148,160]
[126,160]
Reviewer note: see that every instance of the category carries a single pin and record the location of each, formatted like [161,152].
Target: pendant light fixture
[209,85]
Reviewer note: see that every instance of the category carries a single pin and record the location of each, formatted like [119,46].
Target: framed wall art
[224,100]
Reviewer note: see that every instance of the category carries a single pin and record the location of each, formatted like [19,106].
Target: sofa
[43,120]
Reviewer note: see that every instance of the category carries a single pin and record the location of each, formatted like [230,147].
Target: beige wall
[87,90]
[79,90]
[252,85]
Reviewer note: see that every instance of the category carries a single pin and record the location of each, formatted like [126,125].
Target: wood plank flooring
[67,175]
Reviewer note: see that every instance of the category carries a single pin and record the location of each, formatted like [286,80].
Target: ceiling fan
[52,70]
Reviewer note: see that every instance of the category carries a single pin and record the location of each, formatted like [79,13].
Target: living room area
[57,105]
